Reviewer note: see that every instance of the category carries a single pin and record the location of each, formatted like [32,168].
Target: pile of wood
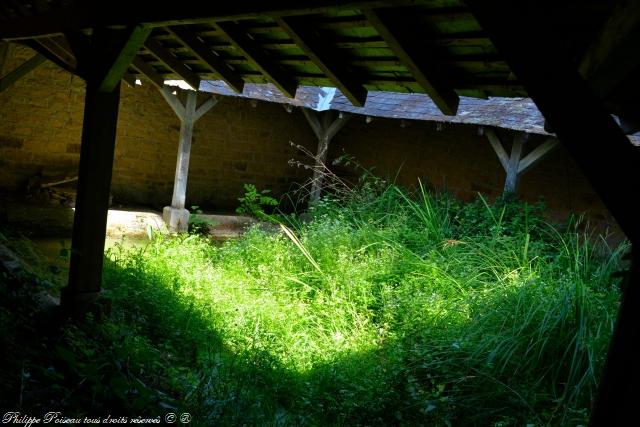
[58,190]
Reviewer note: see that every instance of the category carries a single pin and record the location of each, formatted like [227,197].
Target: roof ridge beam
[324,58]
[443,95]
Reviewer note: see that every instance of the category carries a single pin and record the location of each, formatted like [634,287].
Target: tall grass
[387,308]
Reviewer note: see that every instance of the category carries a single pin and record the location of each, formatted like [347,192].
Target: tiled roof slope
[519,114]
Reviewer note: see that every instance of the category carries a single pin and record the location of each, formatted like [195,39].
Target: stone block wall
[236,143]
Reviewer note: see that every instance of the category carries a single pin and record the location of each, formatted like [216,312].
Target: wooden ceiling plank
[206,55]
[149,72]
[257,58]
[443,95]
[168,59]
[325,58]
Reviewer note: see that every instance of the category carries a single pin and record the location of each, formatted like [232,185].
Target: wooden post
[102,98]
[605,155]
[324,129]
[511,182]
[176,216]
[514,164]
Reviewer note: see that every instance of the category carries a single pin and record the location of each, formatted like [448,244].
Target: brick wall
[234,143]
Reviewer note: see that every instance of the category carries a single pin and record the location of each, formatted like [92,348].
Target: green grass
[387,308]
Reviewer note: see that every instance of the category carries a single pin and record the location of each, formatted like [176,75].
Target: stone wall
[236,143]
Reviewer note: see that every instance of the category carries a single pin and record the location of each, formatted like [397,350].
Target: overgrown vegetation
[387,308]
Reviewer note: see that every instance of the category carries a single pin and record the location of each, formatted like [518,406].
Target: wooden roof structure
[435,47]
[577,60]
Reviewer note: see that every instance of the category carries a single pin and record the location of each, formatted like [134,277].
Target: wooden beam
[148,71]
[80,44]
[206,55]
[13,76]
[498,148]
[54,54]
[257,58]
[85,15]
[428,77]
[94,180]
[173,102]
[537,154]
[612,56]
[326,58]
[184,152]
[325,127]
[511,181]
[204,107]
[605,155]
[126,50]
[168,59]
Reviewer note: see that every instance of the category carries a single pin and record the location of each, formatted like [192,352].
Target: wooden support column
[176,216]
[104,65]
[325,129]
[515,164]
[605,155]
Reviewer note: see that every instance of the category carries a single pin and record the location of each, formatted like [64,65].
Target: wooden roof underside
[432,46]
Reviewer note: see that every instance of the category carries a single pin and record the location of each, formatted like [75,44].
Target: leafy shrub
[254,202]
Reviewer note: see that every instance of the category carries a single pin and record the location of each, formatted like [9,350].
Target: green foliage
[198,224]
[254,202]
[390,307]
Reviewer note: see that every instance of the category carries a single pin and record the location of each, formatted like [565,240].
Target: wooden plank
[429,79]
[497,147]
[257,58]
[325,58]
[13,76]
[537,154]
[511,182]
[206,55]
[85,15]
[148,71]
[126,50]
[604,154]
[173,63]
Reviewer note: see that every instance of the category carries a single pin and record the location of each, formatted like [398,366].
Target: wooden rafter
[324,57]
[257,58]
[126,50]
[54,54]
[148,72]
[168,59]
[426,75]
[206,55]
